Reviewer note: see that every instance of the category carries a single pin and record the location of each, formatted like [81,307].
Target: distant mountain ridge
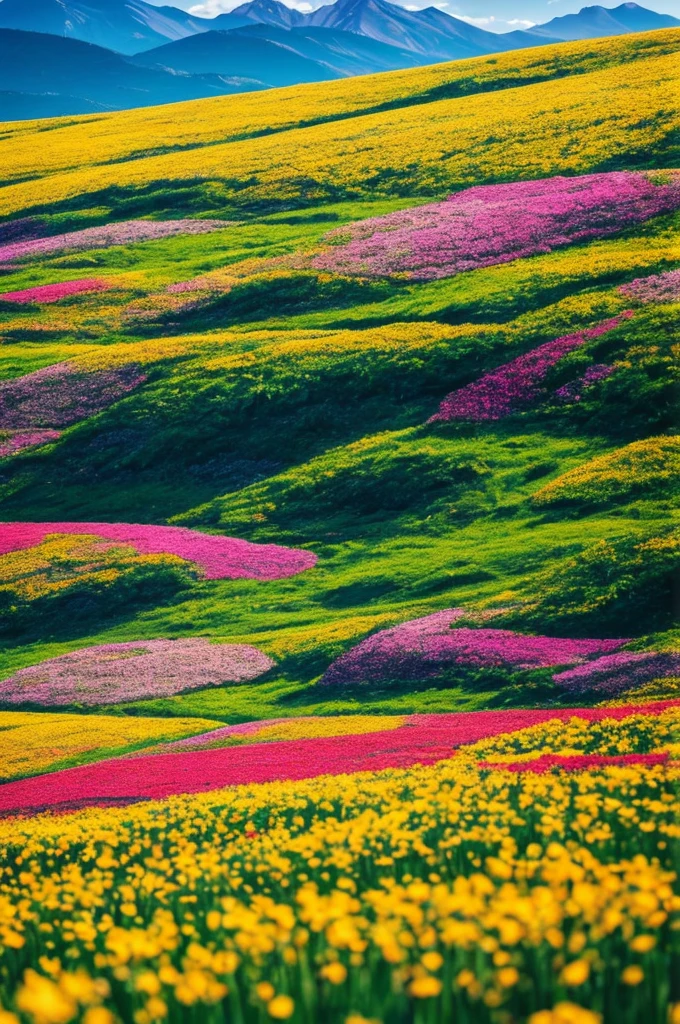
[68,76]
[428,32]
[133,26]
[591,22]
[164,54]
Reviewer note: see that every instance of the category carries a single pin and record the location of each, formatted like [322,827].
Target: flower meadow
[491,224]
[218,557]
[339,660]
[421,739]
[389,892]
[642,468]
[617,673]
[113,673]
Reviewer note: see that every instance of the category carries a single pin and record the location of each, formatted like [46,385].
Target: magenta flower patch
[124,233]
[657,288]
[518,384]
[491,224]
[421,648]
[54,292]
[21,440]
[617,673]
[113,673]
[59,395]
[218,557]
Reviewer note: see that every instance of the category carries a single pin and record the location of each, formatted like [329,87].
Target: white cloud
[211,8]
[476,21]
[520,23]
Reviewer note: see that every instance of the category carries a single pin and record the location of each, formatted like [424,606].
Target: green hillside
[286,398]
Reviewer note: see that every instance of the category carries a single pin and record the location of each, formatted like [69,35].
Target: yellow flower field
[447,892]
[652,465]
[33,742]
[89,141]
[513,134]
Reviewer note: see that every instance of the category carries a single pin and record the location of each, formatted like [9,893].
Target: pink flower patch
[491,224]
[573,391]
[518,384]
[219,557]
[142,670]
[422,648]
[54,292]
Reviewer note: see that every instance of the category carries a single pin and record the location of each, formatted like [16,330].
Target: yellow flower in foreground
[565,1013]
[281,1007]
[335,973]
[45,1001]
[643,943]
[432,961]
[423,988]
[576,972]
[95,1015]
[508,976]
[632,975]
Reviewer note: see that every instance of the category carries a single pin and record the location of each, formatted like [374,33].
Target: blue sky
[492,15]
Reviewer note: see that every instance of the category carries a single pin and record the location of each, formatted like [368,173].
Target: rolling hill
[237,54]
[339,659]
[279,56]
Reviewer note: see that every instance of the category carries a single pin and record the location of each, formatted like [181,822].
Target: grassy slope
[317,392]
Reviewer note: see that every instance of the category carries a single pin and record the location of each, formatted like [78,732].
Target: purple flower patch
[124,233]
[422,648]
[573,391]
[657,288]
[113,673]
[21,440]
[516,385]
[491,224]
[616,673]
[59,395]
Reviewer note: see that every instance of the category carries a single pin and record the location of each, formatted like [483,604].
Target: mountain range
[81,56]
